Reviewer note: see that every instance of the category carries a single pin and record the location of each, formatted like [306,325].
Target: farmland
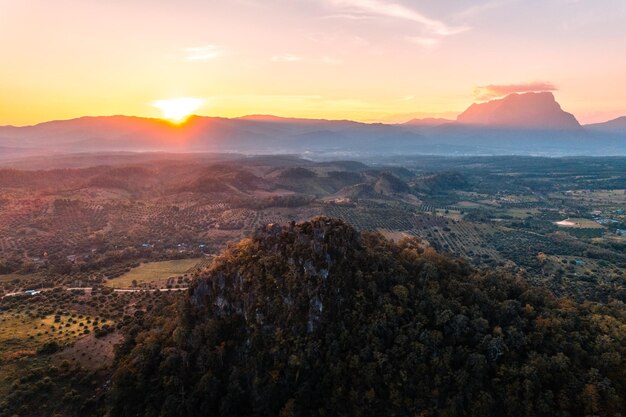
[156,274]
[579,223]
[22,335]
[85,252]
[121,226]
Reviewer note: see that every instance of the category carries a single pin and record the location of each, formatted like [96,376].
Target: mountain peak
[528,110]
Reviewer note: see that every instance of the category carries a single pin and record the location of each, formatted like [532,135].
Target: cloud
[478,9]
[383,8]
[203,53]
[488,92]
[423,41]
[286,58]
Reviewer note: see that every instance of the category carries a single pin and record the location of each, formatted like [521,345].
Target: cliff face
[316,319]
[281,276]
[529,110]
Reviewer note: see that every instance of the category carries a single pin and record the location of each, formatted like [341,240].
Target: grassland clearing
[154,273]
[522,213]
[91,352]
[21,335]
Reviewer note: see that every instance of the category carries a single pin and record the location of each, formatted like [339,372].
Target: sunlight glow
[178,110]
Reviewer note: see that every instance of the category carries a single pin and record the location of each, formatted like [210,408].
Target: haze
[366,60]
[302,208]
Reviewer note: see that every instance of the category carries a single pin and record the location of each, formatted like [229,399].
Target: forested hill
[314,319]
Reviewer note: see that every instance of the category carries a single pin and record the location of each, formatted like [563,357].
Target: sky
[366,60]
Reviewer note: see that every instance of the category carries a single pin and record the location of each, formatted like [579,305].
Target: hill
[388,183]
[428,121]
[316,319]
[526,111]
[613,126]
[519,124]
[440,182]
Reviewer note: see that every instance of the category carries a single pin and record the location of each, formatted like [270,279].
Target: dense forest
[316,319]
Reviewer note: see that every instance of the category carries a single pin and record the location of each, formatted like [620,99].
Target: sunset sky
[369,60]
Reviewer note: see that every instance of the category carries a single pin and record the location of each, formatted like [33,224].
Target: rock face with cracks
[315,319]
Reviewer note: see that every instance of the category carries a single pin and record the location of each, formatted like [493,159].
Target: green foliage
[315,319]
[47,390]
[48,348]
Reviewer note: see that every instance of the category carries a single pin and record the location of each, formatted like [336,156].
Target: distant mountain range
[428,121]
[616,125]
[525,124]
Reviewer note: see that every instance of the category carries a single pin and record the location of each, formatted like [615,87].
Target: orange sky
[369,60]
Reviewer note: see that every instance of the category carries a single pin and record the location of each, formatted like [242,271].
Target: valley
[87,252]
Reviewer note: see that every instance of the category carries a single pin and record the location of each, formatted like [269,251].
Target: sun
[177,110]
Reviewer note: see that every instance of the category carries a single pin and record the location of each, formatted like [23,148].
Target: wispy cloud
[480,8]
[488,92]
[426,42]
[383,8]
[203,53]
[286,58]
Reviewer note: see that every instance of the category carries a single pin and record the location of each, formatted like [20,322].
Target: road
[13,294]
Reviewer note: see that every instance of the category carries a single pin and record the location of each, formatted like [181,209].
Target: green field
[154,273]
[522,213]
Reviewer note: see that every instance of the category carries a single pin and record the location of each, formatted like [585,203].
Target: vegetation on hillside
[317,319]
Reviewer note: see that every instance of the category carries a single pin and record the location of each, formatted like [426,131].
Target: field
[154,274]
[21,334]
[579,224]
[155,229]
[604,197]
[23,279]
[90,352]
[522,213]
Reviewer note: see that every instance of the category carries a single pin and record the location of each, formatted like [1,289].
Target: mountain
[526,111]
[315,319]
[612,126]
[254,134]
[428,121]
[519,124]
